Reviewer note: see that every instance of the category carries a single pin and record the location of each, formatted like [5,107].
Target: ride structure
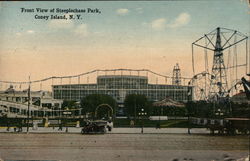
[224,67]
[226,61]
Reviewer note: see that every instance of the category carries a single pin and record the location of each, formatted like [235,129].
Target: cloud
[98,33]
[82,30]
[61,23]
[139,10]
[18,34]
[181,20]
[122,11]
[159,24]
[1,5]
[144,24]
[30,32]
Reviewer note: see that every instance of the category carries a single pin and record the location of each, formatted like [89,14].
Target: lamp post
[160,114]
[142,113]
[219,113]
[134,110]
[189,96]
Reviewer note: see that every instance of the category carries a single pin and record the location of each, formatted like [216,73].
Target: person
[60,127]
[158,125]
[109,128]
[132,123]
[109,125]
[8,126]
[20,127]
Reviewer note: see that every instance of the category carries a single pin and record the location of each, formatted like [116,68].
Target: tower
[218,86]
[176,79]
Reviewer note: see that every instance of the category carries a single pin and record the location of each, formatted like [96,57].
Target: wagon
[238,125]
[230,126]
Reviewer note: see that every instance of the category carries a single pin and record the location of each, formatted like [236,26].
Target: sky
[151,35]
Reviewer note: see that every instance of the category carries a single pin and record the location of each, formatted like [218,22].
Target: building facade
[14,104]
[118,86]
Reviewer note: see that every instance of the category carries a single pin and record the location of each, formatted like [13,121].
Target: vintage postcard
[125,80]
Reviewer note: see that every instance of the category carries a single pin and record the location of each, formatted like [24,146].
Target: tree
[240,110]
[200,109]
[69,104]
[133,104]
[91,102]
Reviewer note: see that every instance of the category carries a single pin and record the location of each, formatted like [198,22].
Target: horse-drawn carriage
[238,125]
[230,126]
[224,126]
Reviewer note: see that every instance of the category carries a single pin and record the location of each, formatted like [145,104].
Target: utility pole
[134,109]
[28,112]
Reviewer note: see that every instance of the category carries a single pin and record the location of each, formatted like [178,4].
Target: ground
[129,147]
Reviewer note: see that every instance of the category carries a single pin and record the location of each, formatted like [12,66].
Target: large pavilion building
[118,86]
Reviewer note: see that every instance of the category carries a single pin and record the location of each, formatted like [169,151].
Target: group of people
[18,128]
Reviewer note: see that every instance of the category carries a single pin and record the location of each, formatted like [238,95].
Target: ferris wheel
[236,87]
[201,85]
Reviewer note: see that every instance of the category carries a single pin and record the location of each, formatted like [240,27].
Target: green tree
[69,104]
[240,110]
[200,109]
[133,104]
[91,102]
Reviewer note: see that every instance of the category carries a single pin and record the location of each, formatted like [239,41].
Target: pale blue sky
[153,35]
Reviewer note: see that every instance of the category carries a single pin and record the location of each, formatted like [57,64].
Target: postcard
[124,80]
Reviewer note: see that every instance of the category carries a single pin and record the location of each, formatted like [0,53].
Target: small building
[14,104]
[38,98]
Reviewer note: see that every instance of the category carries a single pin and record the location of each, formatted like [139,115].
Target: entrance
[104,111]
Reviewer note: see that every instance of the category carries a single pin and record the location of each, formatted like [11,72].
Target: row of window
[119,86]
[120,94]
[131,87]
[33,112]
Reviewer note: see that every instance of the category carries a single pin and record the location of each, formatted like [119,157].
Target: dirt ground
[129,147]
